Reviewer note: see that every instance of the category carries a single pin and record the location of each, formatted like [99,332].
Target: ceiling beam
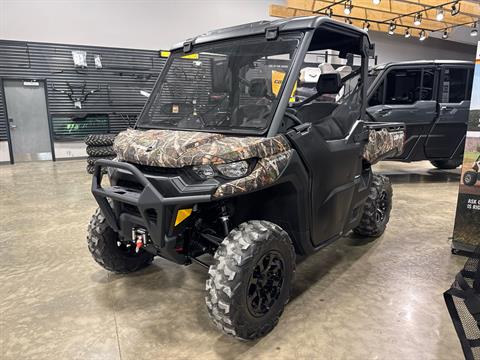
[375,24]
[469,11]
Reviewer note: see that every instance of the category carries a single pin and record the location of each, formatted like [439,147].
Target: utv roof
[423,62]
[332,27]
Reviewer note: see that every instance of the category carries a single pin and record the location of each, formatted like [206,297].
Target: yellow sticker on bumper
[182,214]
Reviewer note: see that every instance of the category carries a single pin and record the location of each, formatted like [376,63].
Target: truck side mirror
[330,83]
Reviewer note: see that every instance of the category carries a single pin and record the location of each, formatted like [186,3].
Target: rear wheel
[470,178]
[446,164]
[111,254]
[249,284]
[377,208]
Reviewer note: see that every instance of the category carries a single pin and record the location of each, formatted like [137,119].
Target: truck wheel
[470,178]
[377,208]
[446,164]
[249,284]
[102,243]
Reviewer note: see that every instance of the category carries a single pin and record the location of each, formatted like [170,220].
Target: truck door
[447,137]
[407,95]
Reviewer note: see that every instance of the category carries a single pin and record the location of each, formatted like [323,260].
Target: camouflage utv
[471,177]
[241,162]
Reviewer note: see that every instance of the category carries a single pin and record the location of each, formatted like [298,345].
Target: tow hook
[139,236]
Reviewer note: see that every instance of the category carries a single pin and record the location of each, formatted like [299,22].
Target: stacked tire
[99,146]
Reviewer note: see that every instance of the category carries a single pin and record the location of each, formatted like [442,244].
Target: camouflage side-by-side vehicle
[471,176]
[229,166]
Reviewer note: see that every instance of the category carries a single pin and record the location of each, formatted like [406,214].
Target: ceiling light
[329,12]
[474,31]
[422,35]
[376,2]
[440,14]
[348,8]
[407,33]
[455,9]
[366,26]
[417,20]
[445,34]
[391,28]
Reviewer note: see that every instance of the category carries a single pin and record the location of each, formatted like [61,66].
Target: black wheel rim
[265,283]
[382,208]
[468,178]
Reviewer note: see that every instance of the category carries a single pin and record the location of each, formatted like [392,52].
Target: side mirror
[330,83]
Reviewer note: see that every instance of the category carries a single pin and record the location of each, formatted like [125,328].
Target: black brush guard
[148,201]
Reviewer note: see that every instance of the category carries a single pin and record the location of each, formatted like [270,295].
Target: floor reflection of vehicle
[432,98]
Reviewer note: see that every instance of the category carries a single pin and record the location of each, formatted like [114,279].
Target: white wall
[158,24]
[398,48]
[144,24]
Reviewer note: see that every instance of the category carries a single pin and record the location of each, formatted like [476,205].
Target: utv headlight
[234,170]
[204,171]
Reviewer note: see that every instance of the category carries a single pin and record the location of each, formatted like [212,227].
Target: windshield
[231,86]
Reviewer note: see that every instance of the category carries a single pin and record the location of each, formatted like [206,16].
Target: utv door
[446,139]
[407,95]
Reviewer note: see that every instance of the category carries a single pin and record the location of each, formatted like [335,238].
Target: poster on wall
[466,234]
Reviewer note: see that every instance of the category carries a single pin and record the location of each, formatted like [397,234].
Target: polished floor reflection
[355,299]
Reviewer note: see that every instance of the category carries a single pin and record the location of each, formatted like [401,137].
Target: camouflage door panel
[383,144]
[172,148]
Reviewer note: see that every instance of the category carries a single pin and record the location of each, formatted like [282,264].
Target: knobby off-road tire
[99,139]
[446,164]
[102,243]
[470,178]
[377,208]
[91,160]
[100,151]
[91,169]
[256,260]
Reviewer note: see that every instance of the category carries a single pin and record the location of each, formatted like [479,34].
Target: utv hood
[175,149]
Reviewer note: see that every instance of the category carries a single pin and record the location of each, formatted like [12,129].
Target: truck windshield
[230,86]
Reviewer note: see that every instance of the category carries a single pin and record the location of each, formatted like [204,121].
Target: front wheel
[446,164]
[249,283]
[377,208]
[470,178]
[109,252]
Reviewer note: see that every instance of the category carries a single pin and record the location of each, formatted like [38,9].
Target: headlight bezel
[219,173]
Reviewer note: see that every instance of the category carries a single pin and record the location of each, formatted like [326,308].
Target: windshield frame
[299,35]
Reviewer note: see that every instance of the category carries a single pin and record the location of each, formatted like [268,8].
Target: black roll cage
[310,27]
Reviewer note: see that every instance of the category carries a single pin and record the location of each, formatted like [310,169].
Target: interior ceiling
[391,16]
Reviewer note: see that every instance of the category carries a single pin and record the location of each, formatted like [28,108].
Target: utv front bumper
[142,205]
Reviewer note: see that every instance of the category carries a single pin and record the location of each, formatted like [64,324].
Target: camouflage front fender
[266,172]
[383,143]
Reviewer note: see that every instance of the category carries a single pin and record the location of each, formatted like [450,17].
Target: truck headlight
[234,170]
